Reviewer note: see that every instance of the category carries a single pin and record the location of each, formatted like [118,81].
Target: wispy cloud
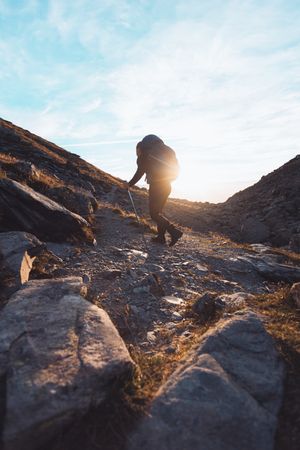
[219,80]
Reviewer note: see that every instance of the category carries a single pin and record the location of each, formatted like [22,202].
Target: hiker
[159,163]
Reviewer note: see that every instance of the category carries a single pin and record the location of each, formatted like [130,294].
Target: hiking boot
[175,236]
[159,239]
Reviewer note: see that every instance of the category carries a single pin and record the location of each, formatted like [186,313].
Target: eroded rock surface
[225,397]
[24,209]
[59,355]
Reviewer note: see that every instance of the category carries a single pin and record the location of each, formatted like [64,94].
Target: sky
[217,80]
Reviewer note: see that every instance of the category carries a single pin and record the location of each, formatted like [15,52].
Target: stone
[86,279]
[177,316]
[59,356]
[172,300]
[205,306]
[238,299]
[136,254]
[111,274]
[141,289]
[23,209]
[226,395]
[271,270]
[294,294]
[200,268]
[151,337]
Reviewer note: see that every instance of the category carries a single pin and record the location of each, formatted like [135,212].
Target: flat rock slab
[271,270]
[226,396]
[59,355]
[24,209]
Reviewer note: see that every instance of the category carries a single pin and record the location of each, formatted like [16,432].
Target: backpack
[162,163]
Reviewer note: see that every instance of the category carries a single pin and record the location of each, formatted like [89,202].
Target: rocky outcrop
[225,397]
[79,202]
[59,355]
[267,211]
[26,210]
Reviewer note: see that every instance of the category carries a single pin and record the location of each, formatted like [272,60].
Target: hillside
[268,211]
[110,341]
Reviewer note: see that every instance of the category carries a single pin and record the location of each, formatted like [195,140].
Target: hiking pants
[158,195]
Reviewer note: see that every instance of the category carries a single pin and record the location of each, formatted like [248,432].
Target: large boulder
[59,355]
[24,209]
[226,396]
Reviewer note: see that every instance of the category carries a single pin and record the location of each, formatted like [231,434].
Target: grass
[147,226]
[8,158]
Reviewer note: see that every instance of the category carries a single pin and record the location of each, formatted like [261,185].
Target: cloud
[218,80]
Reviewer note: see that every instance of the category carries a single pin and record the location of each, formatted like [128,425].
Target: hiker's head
[151,139]
[147,142]
[138,148]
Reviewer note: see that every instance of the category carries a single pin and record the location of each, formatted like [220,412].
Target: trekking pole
[137,218]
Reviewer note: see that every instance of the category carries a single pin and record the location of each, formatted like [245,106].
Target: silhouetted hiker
[159,163]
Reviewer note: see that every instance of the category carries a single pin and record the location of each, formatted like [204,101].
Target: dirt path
[131,282]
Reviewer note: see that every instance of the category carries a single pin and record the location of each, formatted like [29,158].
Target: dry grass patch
[154,369]
[143,222]
[8,158]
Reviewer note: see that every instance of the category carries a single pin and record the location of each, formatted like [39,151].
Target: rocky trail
[108,342]
[148,290]
[163,299]
[162,303]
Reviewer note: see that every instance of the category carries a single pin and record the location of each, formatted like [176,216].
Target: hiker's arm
[139,172]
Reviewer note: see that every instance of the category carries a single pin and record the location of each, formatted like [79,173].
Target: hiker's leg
[158,195]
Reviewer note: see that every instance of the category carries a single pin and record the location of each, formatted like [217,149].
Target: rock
[205,306]
[79,202]
[271,270]
[238,299]
[225,396]
[154,267]
[59,356]
[136,254]
[294,294]
[111,274]
[177,316]
[253,230]
[201,269]
[17,251]
[26,210]
[172,300]
[151,337]
[141,289]
[171,349]
[86,279]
